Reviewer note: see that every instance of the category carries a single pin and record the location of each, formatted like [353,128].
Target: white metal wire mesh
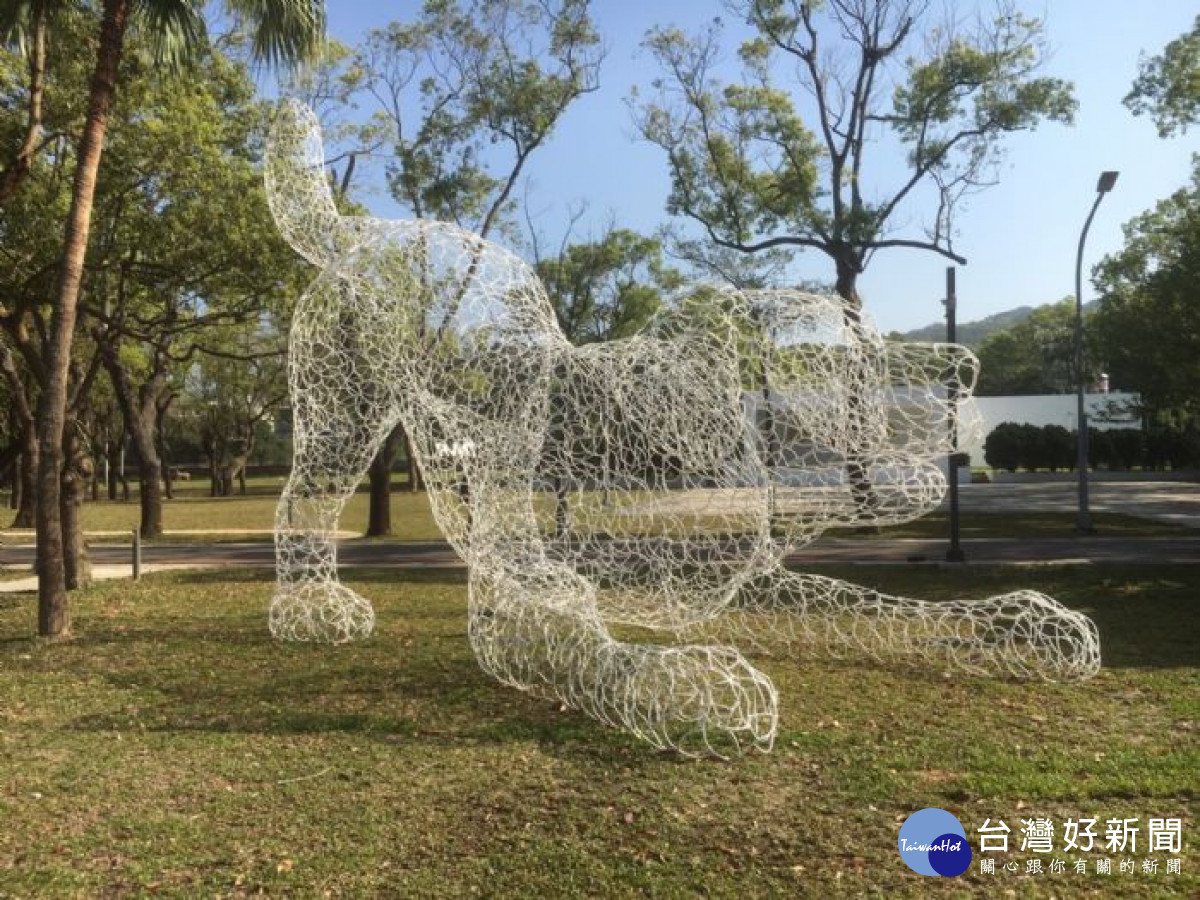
[656,482]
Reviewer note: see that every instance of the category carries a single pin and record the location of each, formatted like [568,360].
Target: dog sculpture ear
[298,191]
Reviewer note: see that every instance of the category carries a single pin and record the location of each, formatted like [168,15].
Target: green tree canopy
[1035,356]
[786,157]
[466,93]
[1148,324]
[1168,85]
[607,288]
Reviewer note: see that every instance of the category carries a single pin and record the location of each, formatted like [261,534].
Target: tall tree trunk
[212,453]
[150,481]
[866,501]
[76,475]
[112,451]
[379,521]
[848,270]
[160,436]
[562,510]
[14,497]
[236,468]
[54,618]
[141,426]
[15,172]
[26,509]
[412,470]
[121,476]
[10,460]
[22,418]
[140,414]
[164,472]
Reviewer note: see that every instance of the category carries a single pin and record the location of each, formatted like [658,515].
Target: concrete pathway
[115,560]
[1176,502]
[1167,501]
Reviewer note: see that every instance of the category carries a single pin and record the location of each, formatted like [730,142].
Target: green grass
[173,748]
[193,510]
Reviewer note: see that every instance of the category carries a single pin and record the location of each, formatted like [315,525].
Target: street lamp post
[955,553]
[1083,522]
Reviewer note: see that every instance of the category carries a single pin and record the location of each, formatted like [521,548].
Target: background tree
[879,79]
[34,208]
[27,32]
[601,290]
[464,97]
[38,118]
[1168,85]
[282,29]
[1148,322]
[607,288]
[185,248]
[20,453]
[1035,356]
[229,399]
[708,261]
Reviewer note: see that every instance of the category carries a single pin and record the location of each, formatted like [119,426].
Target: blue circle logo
[933,842]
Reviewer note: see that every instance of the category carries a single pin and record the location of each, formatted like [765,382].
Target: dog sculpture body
[658,481]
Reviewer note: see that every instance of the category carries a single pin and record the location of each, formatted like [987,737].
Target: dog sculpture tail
[298,191]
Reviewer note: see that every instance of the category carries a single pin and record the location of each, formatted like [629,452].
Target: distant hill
[971,333]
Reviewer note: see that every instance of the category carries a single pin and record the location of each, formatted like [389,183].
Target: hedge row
[1013,446]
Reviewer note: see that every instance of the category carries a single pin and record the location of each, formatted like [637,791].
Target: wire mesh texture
[623,508]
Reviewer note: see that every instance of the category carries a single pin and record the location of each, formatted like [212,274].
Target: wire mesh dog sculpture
[656,482]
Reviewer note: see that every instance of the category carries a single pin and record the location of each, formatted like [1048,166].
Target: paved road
[1177,502]
[260,554]
[1166,501]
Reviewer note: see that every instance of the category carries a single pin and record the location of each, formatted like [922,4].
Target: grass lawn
[173,748]
[194,510]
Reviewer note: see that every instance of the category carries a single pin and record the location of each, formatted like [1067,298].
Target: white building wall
[1104,411]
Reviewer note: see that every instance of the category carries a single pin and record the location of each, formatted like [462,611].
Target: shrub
[1128,448]
[1012,445]
[1030,449]
[1099,449]
[1059,448]
[1172,447]
[1002,448]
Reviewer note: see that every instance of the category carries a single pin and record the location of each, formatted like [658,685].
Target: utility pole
[1083,520]
[955,553]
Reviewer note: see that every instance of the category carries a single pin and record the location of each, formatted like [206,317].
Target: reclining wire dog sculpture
[655,482]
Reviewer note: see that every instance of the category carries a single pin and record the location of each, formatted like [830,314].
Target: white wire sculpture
[652,483]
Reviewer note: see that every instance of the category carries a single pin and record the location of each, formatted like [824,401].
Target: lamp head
[1106,182]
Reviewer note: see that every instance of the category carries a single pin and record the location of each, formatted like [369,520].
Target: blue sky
[1019,237]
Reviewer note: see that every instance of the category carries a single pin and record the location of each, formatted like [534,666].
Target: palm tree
[283,31]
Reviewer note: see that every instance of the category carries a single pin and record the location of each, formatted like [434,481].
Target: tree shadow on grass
[399,687]
[416,682]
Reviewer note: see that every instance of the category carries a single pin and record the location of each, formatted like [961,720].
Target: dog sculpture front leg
[341,413]
[1023,634]
[538,630]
